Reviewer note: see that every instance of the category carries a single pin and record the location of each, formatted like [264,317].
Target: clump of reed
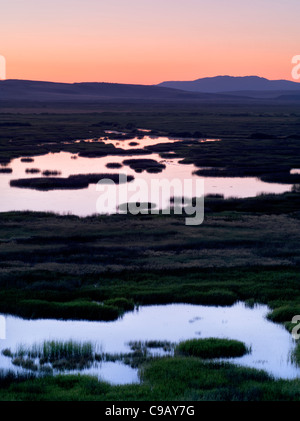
[80,181]
[52,350]
[139,354]
[164,345]
[114,165]
[144,207]
[26,363]
[59,355]
[51,173]
[212,348]
[7,352]
[284,313]
[144,345]
[140,165]
[32,170]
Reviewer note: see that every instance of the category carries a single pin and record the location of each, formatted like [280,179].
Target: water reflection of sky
[83,202]
[270,343]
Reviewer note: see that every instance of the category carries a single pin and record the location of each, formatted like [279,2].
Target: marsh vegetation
[99,267]
[80,181]
[212,348]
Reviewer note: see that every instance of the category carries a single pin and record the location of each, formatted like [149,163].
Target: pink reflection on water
[83,202]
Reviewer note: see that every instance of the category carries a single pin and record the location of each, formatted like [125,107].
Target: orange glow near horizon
[148,42]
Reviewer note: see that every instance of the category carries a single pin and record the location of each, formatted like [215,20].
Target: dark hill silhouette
[230,84]
[16,92]
[45,92]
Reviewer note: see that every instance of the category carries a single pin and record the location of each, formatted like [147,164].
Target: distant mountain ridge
[27,90]
[231,84]
[222,89]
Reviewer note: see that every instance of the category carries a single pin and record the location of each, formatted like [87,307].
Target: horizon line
[142,84]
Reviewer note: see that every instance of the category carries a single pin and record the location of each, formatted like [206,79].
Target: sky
[148,41]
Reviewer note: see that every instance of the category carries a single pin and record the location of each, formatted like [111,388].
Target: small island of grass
[212,348]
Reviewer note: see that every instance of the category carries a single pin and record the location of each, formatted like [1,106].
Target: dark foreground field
[96,268]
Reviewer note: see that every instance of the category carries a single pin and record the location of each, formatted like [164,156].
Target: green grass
[284,313]
[25,363]
[70,310]
[77,309]
[165,379]
[121,303]
[97,268]
[50,351]
[59,355]
[212,348]
[47,294]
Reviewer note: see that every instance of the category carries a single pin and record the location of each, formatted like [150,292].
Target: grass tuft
[212,348]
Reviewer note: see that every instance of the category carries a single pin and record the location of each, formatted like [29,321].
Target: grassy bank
[69,267]
[192,380]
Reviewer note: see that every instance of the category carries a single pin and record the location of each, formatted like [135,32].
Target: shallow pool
[83,202]
[270,343]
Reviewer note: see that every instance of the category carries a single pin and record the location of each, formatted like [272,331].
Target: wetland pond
[83,201]
[271,345]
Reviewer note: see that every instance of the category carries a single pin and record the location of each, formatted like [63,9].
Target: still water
[83,202]
[271,345]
